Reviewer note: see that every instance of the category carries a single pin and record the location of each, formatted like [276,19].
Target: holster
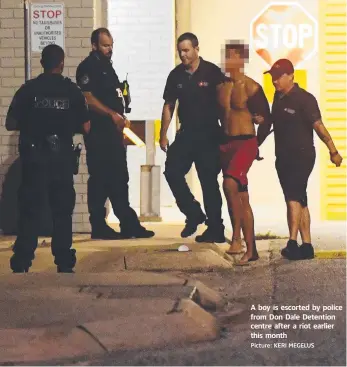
[77,154]
[126,95]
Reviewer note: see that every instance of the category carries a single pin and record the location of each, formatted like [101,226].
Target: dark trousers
[203,151]
[108,178]
[45,173]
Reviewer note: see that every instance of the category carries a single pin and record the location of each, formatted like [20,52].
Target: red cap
[280,67]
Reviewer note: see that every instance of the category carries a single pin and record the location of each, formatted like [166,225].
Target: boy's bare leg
[231,191]
[247,226]
[236,243]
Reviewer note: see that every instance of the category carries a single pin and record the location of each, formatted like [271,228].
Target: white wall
[143,32]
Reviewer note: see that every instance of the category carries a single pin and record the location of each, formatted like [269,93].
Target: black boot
[291,251]
[22,270]
[306,251]
[100,229]
[212,235]
[64,269]
[19,264]
[104,232]
[136,232]
[192,225]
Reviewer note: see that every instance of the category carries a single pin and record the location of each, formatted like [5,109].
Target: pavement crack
[82,288]
[175,307]
[83,328]
[273,268]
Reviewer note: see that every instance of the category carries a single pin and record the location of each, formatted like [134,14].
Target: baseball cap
[280,67]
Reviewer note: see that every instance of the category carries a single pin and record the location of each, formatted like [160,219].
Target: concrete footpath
[125,295]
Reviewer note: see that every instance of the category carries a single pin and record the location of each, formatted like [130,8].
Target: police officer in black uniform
[106,154]
[47,111]
[193,83]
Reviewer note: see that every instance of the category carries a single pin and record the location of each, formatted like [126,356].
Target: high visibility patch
[85,79]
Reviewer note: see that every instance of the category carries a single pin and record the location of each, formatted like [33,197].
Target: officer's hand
[258,157]
[164,143]
[257,119]
[118,121]
[336,159]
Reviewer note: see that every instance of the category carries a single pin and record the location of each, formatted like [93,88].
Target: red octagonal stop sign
[284,30]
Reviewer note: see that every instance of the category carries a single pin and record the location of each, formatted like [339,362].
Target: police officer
[106,154]
[295,115]
[47,111]
[193,83]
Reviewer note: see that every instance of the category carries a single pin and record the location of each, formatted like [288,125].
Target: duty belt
[51,143]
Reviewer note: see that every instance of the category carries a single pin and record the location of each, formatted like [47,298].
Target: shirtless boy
[240,99]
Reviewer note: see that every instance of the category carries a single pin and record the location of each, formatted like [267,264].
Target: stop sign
[284,30]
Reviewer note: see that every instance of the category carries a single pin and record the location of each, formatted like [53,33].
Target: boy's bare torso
[233,97]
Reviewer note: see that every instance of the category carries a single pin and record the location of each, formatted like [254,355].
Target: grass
[267,236]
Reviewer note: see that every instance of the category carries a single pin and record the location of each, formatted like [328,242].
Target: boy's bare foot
[235,247]
[244,259]
[247,258]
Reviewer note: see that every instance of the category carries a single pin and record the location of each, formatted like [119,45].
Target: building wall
[332,20]
[144,33]
[79,23]
[144,48]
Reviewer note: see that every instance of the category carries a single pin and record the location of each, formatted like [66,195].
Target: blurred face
[233,60]
[283,83]
[105,45]
[187,53]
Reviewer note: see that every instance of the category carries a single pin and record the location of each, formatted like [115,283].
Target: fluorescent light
[133,137]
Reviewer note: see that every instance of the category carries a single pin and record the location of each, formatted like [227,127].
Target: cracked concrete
[195,310]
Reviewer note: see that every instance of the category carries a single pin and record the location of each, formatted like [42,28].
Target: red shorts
[237,155]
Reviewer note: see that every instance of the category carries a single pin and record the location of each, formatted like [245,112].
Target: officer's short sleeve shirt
[170,91]
[85,77]
[196,94]
[96,75]
[49,104]
[311,109]
[80,107]
[293,116]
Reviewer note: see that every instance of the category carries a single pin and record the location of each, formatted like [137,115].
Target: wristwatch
[332,154]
